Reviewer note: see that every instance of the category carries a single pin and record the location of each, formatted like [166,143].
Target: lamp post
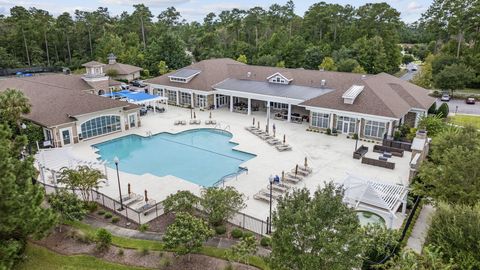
[270,218]
[22,131]
[116,160]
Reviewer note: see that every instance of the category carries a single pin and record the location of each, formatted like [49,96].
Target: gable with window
[278,78]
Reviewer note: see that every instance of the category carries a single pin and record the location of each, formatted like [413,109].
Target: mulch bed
[62,241]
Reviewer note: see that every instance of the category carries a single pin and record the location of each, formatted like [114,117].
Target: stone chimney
[112,59]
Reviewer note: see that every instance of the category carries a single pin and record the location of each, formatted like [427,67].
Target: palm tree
[13,104]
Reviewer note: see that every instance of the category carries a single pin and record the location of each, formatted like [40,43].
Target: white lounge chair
[132,198]
[273,141]
[301,172]
[279,188]
[261,197]
[177,122]
[283,147]
[146,207]
[183,122]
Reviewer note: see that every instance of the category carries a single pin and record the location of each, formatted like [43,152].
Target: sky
[195,10]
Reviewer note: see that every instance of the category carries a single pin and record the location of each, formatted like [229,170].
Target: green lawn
[40,258]
[158,246]
[463,120]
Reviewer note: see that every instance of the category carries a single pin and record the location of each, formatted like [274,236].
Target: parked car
[124,86]
[470,100]
[137,83]
[445,97]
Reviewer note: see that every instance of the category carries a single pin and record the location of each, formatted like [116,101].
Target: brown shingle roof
[70,82]
[55,105]
[383,94]
[213,71]
[122,69]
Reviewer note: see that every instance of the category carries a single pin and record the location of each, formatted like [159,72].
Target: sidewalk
[420,230]
[129,233]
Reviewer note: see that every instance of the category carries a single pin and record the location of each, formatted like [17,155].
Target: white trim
[349,114]
[181,89]
[259,96]
[279,74]
[70,130]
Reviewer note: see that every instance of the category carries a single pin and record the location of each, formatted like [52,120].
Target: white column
[178,97]
[249,106]
[154,107]
[289,115]
[214,101]
[331,121]
[390,128]
[191,100]
[231,103]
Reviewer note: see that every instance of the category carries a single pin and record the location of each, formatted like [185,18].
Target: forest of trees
[363,39]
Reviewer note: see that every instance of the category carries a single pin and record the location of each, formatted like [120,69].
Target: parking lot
[459,106]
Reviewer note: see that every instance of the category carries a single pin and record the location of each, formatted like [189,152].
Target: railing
[241,220]
[114,205]
[231,175]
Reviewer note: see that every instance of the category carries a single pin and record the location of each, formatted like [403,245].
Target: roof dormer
[352,93]
[278,78]
[184,75]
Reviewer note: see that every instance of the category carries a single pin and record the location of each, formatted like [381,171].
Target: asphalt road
[459,106]
[409,75]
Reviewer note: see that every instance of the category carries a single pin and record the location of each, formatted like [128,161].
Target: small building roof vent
[249,74]
[352,93]
[323,83]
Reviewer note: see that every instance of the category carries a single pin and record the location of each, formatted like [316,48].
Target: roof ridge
[54,85]
[383,101]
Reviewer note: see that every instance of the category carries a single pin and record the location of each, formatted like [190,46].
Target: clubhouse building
[368,105]
[70,108]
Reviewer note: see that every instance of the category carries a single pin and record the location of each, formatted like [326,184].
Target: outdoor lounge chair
[301,172]
[251,128]
[265,136]
[183,122]
[177,122]
[307,169]
[146,207]
[266,192]
[261,197]
[283,147]
[292,178]
[192,122]
[279,187]
[273,141]
[132,198]
[258,132]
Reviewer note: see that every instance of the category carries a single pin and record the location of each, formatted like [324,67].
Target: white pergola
[53,160]
[375,196]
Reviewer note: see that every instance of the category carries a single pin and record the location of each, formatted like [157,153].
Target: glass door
[66,136]
[346,127]
[131,120]
[201,101]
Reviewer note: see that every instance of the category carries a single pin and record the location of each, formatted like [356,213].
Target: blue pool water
[201,156]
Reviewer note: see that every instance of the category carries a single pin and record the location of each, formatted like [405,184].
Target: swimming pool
[201,156]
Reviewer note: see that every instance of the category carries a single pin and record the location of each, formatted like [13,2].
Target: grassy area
[468,91]
[158,246]
[41,258]
[463,120]
[400,73]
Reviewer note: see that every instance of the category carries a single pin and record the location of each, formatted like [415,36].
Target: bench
[378,163]
[360,152]
[394,151]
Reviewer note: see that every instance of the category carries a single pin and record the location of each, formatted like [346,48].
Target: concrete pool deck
[330,157]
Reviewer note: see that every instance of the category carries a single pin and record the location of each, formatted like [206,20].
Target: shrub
[80,236]
[265,241]
[144,251]
[334,131]
[236,233]
[229,266]
[182,201]
[247,234]
[115,219]
[120,252]
[433,109]
[108,215]
[91,206]
[68,205]
[143,227]
[329,131]
[103,239]
[443,110]
[220,204]
[220,230]
[165,262]
[101,213]
[355,136]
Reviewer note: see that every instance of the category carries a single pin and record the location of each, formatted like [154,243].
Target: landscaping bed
[69,241]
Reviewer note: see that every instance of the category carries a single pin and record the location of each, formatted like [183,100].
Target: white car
[445,97]
[124,86]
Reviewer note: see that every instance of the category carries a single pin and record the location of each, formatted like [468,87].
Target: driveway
[409,75]
[460,106]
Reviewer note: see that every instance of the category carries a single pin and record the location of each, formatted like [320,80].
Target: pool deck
[330,157]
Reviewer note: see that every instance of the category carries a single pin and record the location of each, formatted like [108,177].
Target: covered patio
[381,198]
[139,98]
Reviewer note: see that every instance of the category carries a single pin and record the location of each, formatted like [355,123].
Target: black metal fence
[241,220]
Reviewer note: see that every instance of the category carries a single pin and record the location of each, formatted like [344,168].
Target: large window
[172,96]
[185,98]
[374,129]
[100,125]
[346,125]
[279,106]
[320,120]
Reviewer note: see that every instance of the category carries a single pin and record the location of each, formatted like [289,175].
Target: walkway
[420,230]
[129,233]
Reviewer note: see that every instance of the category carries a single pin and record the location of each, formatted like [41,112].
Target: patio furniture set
[282,185]
[294,117]
[271,140]
[137,202]
[194,122]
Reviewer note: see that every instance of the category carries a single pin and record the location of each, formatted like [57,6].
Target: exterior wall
[410,119]
[99,84]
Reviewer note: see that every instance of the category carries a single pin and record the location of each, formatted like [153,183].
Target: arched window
[101,92]
[100,126]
